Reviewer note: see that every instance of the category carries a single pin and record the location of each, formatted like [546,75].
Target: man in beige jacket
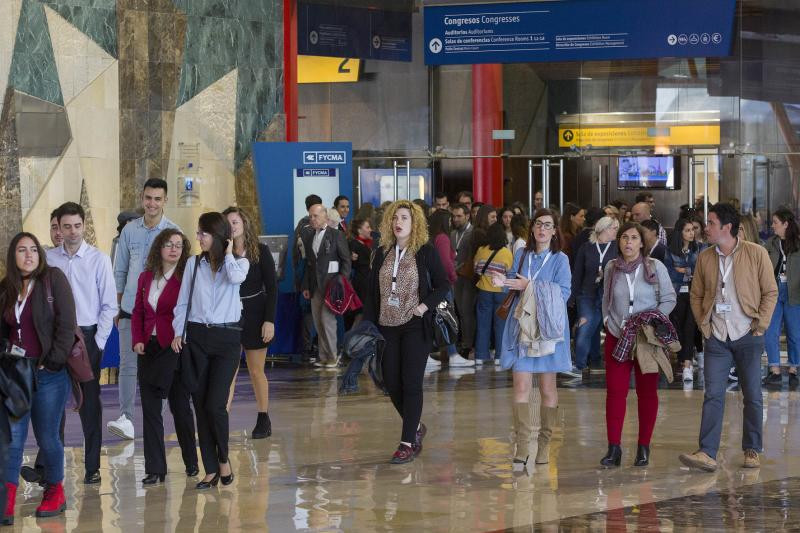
[733,295]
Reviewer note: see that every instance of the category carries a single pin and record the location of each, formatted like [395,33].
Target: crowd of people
[598,290]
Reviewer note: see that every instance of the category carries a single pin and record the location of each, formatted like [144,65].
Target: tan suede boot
[524,432]
[549,421]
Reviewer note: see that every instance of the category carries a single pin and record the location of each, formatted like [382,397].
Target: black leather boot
[263,427]
[642,456]
[613,456]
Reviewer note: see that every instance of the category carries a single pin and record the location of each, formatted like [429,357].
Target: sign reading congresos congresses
[577,30]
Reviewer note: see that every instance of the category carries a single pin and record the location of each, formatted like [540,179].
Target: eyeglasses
[544,225]
[173,246]
[202,234]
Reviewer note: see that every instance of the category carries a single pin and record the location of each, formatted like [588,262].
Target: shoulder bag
[78,365]
[477,277]
[508,302]
[190,366]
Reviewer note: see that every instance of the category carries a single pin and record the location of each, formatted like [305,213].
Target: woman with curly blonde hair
[407,282]
[259,294]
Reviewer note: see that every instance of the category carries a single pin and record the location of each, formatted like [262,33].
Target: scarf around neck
[622,267]
[366,241]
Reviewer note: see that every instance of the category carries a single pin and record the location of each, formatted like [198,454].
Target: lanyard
[530,258]
[602,255]
[398,258]
[783,258]
[19,306]
[631,283]
[459,239]
[724,272]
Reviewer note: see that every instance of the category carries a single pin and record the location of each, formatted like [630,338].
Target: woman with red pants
[633,283]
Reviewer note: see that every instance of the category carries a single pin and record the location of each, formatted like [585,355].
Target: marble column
[10,206]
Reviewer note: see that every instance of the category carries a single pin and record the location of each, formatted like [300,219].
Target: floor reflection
[326,468]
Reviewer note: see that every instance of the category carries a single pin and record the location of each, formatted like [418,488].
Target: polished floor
[326,467]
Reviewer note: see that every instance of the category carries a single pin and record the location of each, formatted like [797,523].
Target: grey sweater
[646,296]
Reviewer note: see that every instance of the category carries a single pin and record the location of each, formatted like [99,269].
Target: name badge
[18,351]
[684,289]
[598,279]
[782,278]
[394,301]
[723,308]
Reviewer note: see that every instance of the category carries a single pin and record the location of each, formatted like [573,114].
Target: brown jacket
[752,277]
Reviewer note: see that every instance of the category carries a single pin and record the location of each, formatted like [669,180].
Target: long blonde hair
[419,226]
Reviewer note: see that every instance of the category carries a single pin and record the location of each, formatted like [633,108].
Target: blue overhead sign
[577,30]
[342,31]
[315,172]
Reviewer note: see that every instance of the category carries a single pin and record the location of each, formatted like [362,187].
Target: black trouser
[683,320]
[404,356]
[92,409]
[155,458]
[221,349]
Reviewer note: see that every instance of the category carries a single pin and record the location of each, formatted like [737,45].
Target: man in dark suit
[327,254]
[342,205]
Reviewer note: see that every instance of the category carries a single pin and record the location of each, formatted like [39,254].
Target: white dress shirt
[156,288]
[317,242]
[216,295]
[92,282]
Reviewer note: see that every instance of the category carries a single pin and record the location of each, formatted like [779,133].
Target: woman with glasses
[213,334]
[259,297]
[151,334]
[543,263]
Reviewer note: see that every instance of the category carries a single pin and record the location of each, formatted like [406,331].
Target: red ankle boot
[53,501]
[11,499]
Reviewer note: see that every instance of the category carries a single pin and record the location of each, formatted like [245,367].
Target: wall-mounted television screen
[647,172]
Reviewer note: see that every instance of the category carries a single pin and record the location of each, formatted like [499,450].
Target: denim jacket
[688,260]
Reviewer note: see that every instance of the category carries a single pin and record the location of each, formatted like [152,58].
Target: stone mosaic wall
[100,95]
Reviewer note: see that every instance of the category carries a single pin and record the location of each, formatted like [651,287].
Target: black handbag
[445,325]
[17,383]
[191,366]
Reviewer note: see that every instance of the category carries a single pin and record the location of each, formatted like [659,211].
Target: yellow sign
[600,136]
[318,69]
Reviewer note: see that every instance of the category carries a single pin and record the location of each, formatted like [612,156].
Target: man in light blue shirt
[92,281]
[131,254]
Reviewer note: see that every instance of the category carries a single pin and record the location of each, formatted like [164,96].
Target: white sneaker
[688,373]
[497,361]
[121,427]
[479,362]
[457,360]
[432,362]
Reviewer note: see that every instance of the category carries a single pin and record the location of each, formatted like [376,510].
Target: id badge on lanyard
[782,278]
[602,255]
[724,307]
[16,348]
[394,300]
[631,290]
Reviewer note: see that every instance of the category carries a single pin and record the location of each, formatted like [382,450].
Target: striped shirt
[501,263]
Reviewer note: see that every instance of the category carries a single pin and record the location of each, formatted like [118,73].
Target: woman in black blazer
[407,282]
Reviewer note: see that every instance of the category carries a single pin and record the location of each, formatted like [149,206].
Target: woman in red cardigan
[152,333]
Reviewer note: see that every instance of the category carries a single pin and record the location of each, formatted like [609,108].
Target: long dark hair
[482,216]
[215,224]
[555,242]
[570,210]
[154,262]
[791,242]
[355,226]
[676,239]
[496,236]
[11,285]
[439,222]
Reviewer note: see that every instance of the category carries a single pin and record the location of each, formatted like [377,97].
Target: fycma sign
[577,30]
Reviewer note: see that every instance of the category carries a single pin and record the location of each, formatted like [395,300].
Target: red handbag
[78,365]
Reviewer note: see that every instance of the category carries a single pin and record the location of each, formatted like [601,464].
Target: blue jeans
[488,321]
[745,355]
[587,336]
[787,316]
[47,408]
